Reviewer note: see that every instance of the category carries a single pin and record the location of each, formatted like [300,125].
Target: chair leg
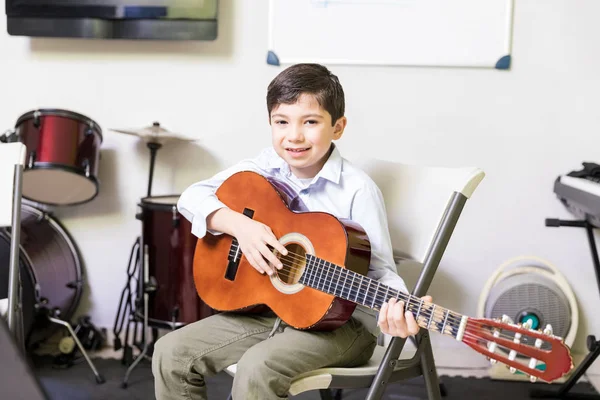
[432,382]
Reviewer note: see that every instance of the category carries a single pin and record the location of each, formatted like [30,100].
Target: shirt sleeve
[199,200]
[368,210]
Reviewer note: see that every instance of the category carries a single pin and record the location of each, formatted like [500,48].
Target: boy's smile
[302,135]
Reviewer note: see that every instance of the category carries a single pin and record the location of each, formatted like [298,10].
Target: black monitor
[114,19]
[17,379]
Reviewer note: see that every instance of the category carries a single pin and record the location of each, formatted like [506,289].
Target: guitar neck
[362,290]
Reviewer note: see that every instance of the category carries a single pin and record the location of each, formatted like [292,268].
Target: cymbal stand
[153,146]
[147,287]
[592,344]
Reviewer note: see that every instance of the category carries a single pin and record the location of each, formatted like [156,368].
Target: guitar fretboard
[343,283]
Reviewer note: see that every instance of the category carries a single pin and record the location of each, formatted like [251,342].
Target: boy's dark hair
[312,79]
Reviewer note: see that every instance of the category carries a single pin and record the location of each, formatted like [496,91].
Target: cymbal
[155,134]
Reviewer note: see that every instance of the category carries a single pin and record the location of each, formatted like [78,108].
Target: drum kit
[62,162]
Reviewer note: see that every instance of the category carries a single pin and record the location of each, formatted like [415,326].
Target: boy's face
[302,135]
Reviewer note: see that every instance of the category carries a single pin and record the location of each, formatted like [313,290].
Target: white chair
[12,162]
[423,206]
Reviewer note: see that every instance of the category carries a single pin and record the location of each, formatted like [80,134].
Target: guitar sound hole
[293,263]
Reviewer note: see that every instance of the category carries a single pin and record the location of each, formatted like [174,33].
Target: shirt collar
[332,170]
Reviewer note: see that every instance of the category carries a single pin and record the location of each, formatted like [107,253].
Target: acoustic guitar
[323,279]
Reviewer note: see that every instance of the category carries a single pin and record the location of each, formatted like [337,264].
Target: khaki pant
[266,365]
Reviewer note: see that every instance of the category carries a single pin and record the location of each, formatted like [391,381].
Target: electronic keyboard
[581,196]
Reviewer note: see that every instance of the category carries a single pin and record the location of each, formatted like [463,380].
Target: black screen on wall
[114,19]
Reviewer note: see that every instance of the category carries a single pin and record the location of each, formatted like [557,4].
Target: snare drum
[170,245]
[63,151]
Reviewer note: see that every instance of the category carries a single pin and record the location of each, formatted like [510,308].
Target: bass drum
[50,271]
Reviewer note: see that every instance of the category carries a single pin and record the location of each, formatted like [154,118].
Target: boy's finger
[411,323]
[266,253]
[272,240]
[397,317]
[383,316]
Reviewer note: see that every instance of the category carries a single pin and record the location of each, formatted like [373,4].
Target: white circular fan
[528,288]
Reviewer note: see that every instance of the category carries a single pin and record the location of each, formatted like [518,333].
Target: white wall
[524,127]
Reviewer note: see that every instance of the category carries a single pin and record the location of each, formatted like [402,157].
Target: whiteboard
[450,33]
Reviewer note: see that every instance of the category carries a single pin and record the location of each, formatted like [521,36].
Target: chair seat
[321,378]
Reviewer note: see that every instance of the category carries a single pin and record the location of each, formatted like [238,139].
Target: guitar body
[226,281]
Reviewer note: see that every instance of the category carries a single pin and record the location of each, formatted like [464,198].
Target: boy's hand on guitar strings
[253,238]
[394,321]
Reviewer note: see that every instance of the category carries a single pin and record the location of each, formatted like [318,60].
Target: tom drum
[63,151]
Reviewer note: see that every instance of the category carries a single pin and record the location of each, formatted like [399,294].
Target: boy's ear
[338,129]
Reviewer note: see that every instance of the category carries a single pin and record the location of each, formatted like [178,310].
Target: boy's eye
[312,121]
[280,122]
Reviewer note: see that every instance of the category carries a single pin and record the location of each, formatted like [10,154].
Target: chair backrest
[416,198]
[11,154]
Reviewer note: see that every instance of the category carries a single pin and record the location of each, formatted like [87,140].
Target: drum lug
[86,167]
[151,285]
[75,284]
[31,160]
[175,217]
[36,119]
[90,129]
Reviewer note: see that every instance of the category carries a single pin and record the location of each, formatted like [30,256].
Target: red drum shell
[63,153]
[170,248]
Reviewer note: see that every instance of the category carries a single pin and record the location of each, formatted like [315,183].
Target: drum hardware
[145,325]
[36,118]
[127,305]
[52,316]
[175,217]
[31,161]
[7,136]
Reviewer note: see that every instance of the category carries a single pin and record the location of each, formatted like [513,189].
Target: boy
[306,113]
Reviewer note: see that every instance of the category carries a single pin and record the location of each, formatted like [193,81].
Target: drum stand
[146,286]
[15,304]
[592,344]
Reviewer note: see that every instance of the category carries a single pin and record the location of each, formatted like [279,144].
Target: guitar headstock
[541,355]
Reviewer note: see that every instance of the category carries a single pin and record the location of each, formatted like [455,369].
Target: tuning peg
[532,378]
[506,319]
[493,361]
[548,330]
[512,370]
[527,324]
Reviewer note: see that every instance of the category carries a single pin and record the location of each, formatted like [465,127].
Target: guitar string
[373,292]
[411,299]
[437,312]
[429,312]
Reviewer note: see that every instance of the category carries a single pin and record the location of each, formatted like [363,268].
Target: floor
[469,364]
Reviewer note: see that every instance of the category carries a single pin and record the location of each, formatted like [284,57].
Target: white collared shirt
[340,189]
